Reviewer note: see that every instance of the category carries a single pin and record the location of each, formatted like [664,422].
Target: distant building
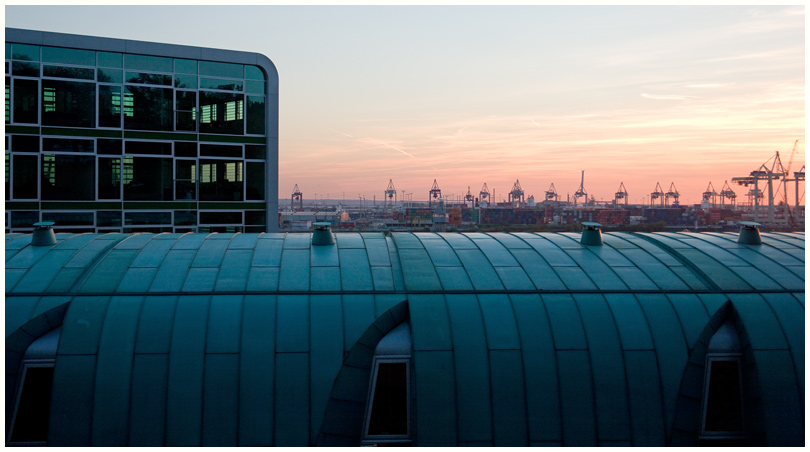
[110,135]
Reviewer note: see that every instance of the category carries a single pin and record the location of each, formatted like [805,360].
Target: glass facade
[101,141]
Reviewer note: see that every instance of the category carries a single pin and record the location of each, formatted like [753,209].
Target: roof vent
[43,234]
[322,235]
[749,233]
[591,234]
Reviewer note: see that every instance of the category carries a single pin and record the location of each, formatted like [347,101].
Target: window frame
[403,438]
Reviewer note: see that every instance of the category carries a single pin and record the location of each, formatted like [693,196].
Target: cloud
[668,96]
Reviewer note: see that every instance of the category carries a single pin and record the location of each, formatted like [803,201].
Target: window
[221,180]
[25,101]
[68,177]
[148,108]
[147,178]
[388,412]
[221,113]
[68,104]
[32,404]
[722,420]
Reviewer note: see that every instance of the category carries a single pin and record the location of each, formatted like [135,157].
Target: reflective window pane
[109,178]
[148,79]
[185,81]
[24,52]
[147,179]
[255,115]
[25,69]
[69,72]
[33,410]
[25,143]
[69,56]
[148,147]
[185,149]
[24,176]
[225,85]
[109,146]
[68,177]
[68,104]
[220,217]
[254,87]
[185,66]
[108,218]
[26,96]
[110,59]
[147,218]
[220,180]
[229,70]
[255,180]
[22,219]
[67,145]
[254,73]
[186,180]
[255,151]
[69,218]
[185,217]
[147,108]
[221,113]
[220,150]
[109,106]
[148,63]
[110,75]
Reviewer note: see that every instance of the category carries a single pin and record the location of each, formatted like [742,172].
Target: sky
[467,95]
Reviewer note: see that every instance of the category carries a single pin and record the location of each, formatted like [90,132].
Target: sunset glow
[469,95]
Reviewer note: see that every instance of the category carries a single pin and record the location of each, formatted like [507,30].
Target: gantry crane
[581,193]
[297,196]
[710,195]
[656,194]
[484,195]
[435,192]
[390,193]
[620,194]
[516,195]
[551,194]
[727,192]
[764,173]
[672,193]
[469,198]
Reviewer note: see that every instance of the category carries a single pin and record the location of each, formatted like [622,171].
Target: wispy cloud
[667,96]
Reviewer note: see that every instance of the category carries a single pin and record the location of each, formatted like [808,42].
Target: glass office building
[110,135]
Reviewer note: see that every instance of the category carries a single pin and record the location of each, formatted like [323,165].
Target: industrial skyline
[467,95]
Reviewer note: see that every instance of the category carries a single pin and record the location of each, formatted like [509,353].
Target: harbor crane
[297,196]
[551,194]
[484,195]
[581,193]
[469,196]
[390,193]
[620,194]
[672,193]
[516,195]
[727,193]
[771,173]
[658,193]
[435,192]
[710,195]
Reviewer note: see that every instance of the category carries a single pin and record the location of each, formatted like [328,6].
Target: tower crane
[620,194]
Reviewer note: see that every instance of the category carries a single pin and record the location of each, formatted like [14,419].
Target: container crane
[391,193]
[435,192]
[620,194]
[581,193]
[658,193]
[672,193]
[710,196]
[727,192]
[483,196]
[297,196]
[551,194]
[516,195]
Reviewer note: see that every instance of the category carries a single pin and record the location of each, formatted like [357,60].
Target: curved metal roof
[525,339]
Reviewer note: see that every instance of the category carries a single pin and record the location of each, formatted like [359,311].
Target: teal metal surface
[518,339]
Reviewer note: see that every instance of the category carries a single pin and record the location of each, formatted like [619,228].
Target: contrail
[338,131]
[400,150]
